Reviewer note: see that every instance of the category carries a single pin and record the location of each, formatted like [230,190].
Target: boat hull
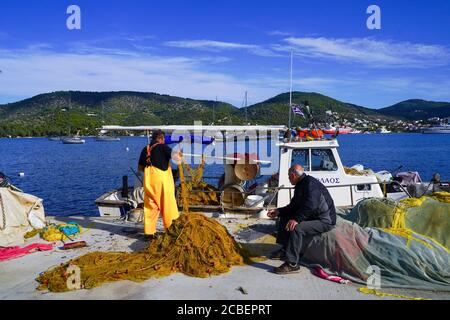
[73,141]
[107,139]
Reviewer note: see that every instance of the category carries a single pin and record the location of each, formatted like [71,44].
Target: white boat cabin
[321,160]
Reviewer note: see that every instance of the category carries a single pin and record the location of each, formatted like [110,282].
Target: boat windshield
[301,157]
[323,160]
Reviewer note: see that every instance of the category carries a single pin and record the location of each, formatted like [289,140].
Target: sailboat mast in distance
[290,92]
[214,115]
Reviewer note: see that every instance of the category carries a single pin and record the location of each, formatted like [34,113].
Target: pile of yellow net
[60,232]
[354,172]
[194,245]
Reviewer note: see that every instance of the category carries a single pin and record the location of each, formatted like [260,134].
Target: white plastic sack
[19,213]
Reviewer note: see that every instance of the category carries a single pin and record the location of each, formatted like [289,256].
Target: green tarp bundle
[414,257]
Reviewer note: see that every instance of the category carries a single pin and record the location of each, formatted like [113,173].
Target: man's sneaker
[287,268]
[278,255]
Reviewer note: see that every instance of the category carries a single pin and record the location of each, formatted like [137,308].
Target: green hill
[54,113]
[418,109]
[275,110]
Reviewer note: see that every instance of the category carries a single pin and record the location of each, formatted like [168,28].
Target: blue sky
[204,49]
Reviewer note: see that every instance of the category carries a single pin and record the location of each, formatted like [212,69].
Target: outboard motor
[421,189]
[436,179]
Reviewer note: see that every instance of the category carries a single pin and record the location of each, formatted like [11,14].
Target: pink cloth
[16,252]
[318,271]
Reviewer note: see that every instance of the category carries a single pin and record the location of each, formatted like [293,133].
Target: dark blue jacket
[311,201]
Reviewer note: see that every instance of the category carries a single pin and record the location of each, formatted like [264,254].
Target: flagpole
[290,93]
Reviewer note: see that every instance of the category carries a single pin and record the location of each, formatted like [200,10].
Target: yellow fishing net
[194,191]
[57,232]
[378,293]
[428,216]
[194,245]
[354,172]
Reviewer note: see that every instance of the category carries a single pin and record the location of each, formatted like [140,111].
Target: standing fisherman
[159,186]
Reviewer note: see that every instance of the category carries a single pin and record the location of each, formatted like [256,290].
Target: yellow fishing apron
[159,196]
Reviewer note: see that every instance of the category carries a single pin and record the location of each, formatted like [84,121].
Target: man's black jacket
[311,201]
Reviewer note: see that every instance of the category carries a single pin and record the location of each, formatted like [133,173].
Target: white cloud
[371,52]
[213,45]
[36,70]
[208,44]
[27,72]
[279,33]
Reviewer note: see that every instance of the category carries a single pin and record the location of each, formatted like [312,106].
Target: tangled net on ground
[195,245]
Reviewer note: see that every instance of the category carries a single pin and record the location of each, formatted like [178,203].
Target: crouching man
[310,212]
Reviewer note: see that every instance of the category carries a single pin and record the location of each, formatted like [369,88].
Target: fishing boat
[437,129]
[319,157]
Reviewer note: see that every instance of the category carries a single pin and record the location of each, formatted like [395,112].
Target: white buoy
[128,149]
[21,174]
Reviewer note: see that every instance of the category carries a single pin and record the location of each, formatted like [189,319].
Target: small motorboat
[54,138]
[103,138]
[383,130]
[73,140]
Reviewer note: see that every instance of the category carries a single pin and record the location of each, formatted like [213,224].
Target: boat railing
[261,188]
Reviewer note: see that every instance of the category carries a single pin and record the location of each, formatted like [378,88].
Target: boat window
[301,157]
[363,187]
[323,160]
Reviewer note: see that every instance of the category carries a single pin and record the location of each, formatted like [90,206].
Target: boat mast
[214,115]
[290,92]
[246,119]
[70,107]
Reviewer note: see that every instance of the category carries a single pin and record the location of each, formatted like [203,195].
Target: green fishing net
[427,216]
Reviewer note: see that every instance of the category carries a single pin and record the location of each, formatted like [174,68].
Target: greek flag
[297,110]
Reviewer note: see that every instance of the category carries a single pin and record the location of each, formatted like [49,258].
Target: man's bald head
[297,169]
[295,173]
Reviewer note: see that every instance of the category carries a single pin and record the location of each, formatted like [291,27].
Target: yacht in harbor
[442,128]
[73,140]
[383,130]
[105,138]
[76,139]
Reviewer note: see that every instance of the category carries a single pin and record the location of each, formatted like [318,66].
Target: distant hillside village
[68,112]
[362,125]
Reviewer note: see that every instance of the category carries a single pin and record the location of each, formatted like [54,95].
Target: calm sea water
[70,177]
